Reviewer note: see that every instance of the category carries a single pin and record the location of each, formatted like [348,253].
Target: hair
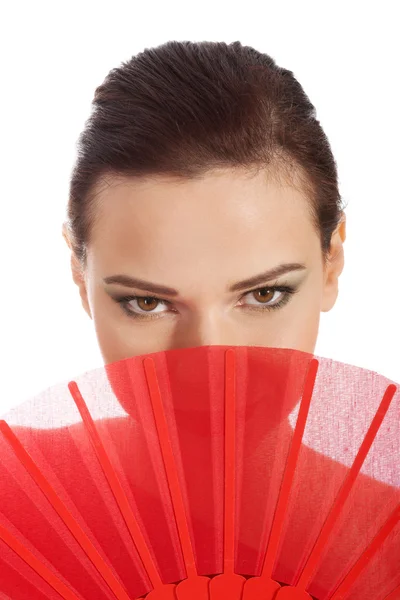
[183,109]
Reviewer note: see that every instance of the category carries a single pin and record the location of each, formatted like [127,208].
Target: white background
[53,56]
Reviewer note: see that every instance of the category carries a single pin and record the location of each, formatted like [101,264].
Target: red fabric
[268,388]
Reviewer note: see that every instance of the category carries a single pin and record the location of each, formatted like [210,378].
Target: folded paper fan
[207,473]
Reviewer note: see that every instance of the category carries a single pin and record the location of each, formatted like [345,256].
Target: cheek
[111,331]
[307,320]
[305,338]
[298,328]
[119,337]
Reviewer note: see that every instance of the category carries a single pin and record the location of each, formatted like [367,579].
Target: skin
[200,237]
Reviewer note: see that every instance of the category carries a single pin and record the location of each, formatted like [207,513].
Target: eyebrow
[277,271]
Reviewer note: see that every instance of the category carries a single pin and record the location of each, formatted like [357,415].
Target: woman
[202,167]
[204,206]
[204,210]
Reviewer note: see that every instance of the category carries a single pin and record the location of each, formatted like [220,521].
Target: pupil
[265,292]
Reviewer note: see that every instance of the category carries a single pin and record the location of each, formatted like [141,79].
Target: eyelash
[288,292]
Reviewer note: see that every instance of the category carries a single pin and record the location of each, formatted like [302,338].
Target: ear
[78,274]
[334,267]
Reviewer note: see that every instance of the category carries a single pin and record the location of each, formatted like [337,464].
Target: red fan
[208,473]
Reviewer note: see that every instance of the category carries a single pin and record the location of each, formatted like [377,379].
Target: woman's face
[191,248]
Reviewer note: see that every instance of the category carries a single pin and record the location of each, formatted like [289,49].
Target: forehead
[226,211]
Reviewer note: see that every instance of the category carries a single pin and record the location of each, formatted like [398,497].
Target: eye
[146,306]
[264,297]
[269,297]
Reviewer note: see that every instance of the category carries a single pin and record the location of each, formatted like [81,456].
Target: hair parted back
[185,108]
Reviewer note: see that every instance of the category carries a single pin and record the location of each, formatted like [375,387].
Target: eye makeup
[286,290]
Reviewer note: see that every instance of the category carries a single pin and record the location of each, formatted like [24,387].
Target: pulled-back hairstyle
[182,109]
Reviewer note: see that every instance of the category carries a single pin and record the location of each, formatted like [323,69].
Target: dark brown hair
[183,109]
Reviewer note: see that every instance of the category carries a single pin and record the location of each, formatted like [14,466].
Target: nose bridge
[210,328]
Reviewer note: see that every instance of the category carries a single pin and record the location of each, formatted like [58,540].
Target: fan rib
[230,450]
[116,487]
[170,467]
[63,512]
[337,507]
[394,594]
[37,565]
[367,555]
[288,476]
